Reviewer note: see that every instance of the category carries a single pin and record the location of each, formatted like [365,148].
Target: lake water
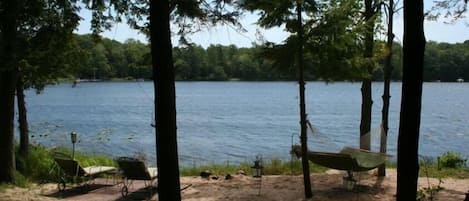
[235,121]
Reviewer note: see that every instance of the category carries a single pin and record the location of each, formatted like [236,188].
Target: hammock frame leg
[349,182]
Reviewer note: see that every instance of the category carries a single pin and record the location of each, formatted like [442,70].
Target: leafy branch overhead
[333,38]
[188,16]
[452,10]
[278,13]
[45,41]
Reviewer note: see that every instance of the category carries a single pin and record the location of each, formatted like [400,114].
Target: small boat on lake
[459,80]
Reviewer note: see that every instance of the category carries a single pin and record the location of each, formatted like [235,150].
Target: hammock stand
[348,159]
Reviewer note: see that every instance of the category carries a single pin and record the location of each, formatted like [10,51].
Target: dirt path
[327,186]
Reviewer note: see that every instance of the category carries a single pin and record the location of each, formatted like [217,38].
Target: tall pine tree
[411,101]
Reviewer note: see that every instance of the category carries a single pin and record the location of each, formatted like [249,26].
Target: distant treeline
[108,59]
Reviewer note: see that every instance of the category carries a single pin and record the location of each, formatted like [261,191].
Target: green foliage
[108,59]
[271,167]
[216,169]
[294,167]
[40,165]
[333,46]
[452,160]
[446,62]
[337,59]
[435,172]
[44,40]
[429,192]
[334,41]
[435,169]
[21,181]
[449,10]
[188,16]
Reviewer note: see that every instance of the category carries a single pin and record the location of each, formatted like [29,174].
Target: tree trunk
[303,136]
[365,123]
[22,120]
[7,106]
[387,81]
[165,102]
[367,101]
[8,63]
[412,79]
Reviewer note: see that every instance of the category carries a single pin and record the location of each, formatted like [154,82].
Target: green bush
[452,160]
[40,166]
[21,180]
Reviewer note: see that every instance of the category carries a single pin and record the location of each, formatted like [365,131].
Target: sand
[326,186]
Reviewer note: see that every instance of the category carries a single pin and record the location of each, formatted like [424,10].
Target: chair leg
[124,191]
[125,187]
[61,184]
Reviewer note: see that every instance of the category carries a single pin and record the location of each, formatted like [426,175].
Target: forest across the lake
[109,59]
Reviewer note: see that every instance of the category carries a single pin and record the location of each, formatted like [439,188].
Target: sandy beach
[326,186]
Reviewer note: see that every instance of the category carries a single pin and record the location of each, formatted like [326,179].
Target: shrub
[452,160]
[38,166]
[21,181]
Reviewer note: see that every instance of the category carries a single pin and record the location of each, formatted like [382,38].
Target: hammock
[348,159]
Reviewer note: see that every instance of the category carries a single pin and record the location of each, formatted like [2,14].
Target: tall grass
[449,164]
[40,166]
[269,167]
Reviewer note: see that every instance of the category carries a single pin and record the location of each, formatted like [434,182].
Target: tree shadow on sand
[145,193]
[77,190]
[340,191]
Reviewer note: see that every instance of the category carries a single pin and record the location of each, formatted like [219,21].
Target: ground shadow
[141,194]
[77,190]
[338,192]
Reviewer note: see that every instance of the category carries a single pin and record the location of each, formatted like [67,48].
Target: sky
[434,31]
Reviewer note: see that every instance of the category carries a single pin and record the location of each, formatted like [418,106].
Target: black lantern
[257,167]
[73,136]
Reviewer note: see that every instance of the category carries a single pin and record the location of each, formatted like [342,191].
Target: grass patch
[40,167]
[37,166]
[458,173]
[216,169]
[270,167]
[432,170]
[452,160]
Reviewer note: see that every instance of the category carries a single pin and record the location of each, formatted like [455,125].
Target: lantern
[73,136]
[257,167]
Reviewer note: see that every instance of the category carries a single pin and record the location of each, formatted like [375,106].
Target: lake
[221,122]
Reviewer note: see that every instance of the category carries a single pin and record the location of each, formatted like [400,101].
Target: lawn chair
[135,169]
[71,169]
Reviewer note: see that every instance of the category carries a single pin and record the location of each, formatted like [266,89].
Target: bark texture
[409,124]
[301,82]
[367,101]
[8,64]
[165,102]
[386,93]
[22,120]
